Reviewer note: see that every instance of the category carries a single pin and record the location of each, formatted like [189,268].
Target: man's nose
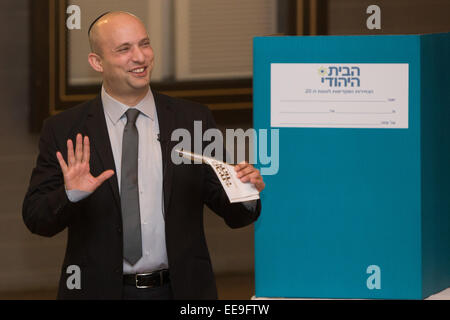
[138,55]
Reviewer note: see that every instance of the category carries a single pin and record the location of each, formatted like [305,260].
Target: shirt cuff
[77,195]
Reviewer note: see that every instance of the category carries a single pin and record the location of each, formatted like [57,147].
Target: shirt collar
[116,109]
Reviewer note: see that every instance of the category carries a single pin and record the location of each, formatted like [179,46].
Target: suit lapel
[97,132]
[166,126]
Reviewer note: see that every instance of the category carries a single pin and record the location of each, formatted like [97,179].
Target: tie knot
[132,115]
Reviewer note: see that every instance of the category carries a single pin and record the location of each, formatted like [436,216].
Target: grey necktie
[129,190]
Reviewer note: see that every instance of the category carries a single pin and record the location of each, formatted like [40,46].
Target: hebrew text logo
[340,76]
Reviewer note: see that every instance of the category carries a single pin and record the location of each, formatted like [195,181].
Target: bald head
[107,22]
[122,53]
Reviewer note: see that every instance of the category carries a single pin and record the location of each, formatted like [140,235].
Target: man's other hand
[248,173]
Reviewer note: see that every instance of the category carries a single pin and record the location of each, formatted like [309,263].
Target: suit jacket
[95,240]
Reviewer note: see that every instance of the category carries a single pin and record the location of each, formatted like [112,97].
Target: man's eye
[123,49]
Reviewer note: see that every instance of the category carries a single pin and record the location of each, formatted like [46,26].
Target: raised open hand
[77,175]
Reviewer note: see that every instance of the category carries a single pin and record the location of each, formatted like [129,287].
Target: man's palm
[77,175]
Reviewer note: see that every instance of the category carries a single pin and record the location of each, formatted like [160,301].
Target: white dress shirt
[150,177]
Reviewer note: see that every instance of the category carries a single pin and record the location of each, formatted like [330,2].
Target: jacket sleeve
[236,215]
[46,209]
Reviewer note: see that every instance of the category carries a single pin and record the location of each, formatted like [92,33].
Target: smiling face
[122,53]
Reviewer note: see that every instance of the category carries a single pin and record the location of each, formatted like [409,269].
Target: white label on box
[360,95]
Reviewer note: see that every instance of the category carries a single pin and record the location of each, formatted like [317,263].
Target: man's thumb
[105,176]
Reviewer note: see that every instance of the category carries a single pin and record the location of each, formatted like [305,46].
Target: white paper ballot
[236,190]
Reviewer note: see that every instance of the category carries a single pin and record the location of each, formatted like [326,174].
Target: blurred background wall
[27,262]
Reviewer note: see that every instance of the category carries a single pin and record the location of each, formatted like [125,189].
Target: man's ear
[95,61]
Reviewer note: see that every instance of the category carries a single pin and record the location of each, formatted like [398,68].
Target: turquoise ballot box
[360,205]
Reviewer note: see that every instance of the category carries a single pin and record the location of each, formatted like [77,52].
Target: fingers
[62,163]
[247,173]
[104,176]
[86,150]
[256,179]
[244,169]
[260,185]
[82,152]
[79,148]
[70,153]
[253,175]
[241,166]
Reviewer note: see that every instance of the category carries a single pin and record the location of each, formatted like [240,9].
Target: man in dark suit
[134,219]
